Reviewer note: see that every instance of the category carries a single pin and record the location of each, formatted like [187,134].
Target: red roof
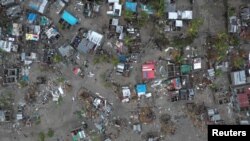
[148,71]
[76,70]
[244,98]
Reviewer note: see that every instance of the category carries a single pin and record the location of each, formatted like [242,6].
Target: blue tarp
[25,78]
[32,17]
[141,88]
[69,18]
[131,6]
[122,58]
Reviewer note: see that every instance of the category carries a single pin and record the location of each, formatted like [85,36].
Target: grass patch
[50,133]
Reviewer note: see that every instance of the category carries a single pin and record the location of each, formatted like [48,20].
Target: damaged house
[92,41]
[115,8]
[16,29]
[38,5]
[11,76]
[14,11]
[126,94]
[241,97]
[33,33]
[8,46]
[7,2]
[66,51]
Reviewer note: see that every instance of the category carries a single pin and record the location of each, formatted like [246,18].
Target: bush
[129,15]
[194,27]
[41,136]
[143,19]
[50,133]
[231,11]
[182,42]
[57,58]
[38,120]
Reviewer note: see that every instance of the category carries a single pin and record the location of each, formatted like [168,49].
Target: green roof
[185,69]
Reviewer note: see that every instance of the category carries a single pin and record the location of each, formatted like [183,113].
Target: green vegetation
[129,15]
[218,72]
[193,30]
[213,87]
[143,19]
[128,40]
[6,100]
[78,114]
[60,100]
[231,11]
[95,137]
[106,84]
[41,136]
[221,46]
[159,7]
[234,40]
[57,58]
[238,62]
[182,42]
[60,79]
[101,58]
[50,133]
[105,58]
[178,58]
[194,27]
[38,120]
[22,83]
[114,60]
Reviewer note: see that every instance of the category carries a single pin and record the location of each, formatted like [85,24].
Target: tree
[50,133]
[41,136]
[129,15]
[238,62]
[182,42]
[128,40]
[218,72]
[221,46]
[178,58]
[159,7]
[194,27]
[167,125]
[143,19]
[114,60]
[231,11]
[60,100]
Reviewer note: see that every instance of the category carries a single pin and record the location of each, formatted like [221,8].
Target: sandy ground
[61,118]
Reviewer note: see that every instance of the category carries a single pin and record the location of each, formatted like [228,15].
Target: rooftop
[141,89]
[38,5]
[69,18]
[238,77]
[148,71]
[243,98]
[131,6]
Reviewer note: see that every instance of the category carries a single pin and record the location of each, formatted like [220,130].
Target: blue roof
[141,88]
[69,18]
[33,6]
[32,17]
[131,6]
